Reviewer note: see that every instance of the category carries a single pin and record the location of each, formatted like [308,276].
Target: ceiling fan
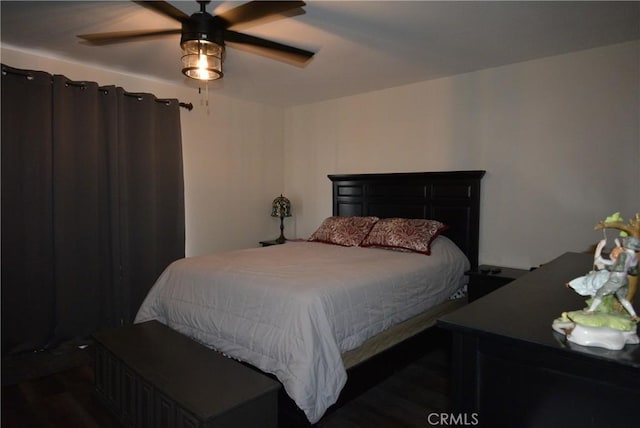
[203,35]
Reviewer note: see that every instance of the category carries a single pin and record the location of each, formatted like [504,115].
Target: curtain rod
[166,101]
[29,76]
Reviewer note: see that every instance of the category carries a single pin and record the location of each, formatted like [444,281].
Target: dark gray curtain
[92,205]
[151,189]
[27,212]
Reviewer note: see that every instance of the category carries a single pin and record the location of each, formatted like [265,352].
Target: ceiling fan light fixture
[202,59]
[203,36]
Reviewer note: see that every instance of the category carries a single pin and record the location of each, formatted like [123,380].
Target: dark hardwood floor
[403,400]
[66,398]
[63,399]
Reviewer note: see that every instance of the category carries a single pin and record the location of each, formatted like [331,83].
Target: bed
[309,313]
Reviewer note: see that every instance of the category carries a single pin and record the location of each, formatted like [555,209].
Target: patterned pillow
[411,234]
[345,231]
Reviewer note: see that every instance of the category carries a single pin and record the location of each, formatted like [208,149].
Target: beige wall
[232,156]
[559,138]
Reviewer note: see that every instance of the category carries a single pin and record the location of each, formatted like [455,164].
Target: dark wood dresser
[511,369]
[151,376]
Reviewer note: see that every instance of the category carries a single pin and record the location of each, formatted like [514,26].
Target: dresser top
[524,309]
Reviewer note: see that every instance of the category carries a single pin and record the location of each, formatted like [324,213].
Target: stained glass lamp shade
[281,207]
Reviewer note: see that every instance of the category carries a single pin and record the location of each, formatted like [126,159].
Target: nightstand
[271,242]
[489,278]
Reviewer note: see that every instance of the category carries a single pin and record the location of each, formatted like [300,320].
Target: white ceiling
[361,46]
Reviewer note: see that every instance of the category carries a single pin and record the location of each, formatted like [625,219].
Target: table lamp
[281,207]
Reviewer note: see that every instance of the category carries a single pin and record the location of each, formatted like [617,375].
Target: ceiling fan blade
[125,36]
[256,10]
[164,8]
[275,49]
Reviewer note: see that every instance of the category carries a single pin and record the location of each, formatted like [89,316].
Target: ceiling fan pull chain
[204,99]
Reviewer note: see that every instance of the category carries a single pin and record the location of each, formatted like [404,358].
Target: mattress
[293,310]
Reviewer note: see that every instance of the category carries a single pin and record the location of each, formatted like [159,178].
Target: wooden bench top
[201,380]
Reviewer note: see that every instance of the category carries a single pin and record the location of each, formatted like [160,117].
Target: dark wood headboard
[452,197]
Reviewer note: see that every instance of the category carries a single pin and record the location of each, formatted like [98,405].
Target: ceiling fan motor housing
[202,26]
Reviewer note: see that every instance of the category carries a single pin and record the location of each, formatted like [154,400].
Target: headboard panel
[452,197]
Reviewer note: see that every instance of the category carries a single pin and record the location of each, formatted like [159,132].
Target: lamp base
[281,239]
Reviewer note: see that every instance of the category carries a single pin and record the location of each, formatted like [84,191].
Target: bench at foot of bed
[151,376]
